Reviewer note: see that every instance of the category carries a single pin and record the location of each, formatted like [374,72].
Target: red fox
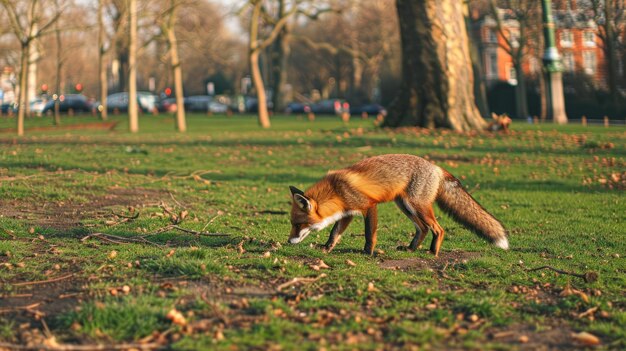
[410,181]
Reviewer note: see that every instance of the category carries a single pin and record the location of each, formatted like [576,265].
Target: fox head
[303,215]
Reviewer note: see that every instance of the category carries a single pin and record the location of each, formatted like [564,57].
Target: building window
[567,39]
[589,39]
[589,62]
[491,36]
[491,64]
[568,62]
[514,38]
[512,76]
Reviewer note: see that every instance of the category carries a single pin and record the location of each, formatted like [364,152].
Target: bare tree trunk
[480,90]
[609,46]
[521,96]
[133,113]
[181,123]
[544,101]
[57,112]
[437,81]
[264,119]
[257,78]
[23,86]
[102,69]
[280,55]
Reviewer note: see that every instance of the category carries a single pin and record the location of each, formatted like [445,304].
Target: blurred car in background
[37,106]
[118,102]
[8,108]
[252,104]
[297,107]
[167,105]
[331,107]
[198,103]
[369,110]
[69,103]
[218,107]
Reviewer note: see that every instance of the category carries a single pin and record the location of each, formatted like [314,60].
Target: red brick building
[577,40]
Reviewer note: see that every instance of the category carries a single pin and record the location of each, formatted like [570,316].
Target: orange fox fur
[413,183]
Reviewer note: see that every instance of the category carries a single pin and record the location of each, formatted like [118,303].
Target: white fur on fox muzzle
[303,234]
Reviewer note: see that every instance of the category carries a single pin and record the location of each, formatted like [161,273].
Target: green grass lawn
[83,258]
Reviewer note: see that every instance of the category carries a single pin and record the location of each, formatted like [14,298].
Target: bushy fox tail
[461,206]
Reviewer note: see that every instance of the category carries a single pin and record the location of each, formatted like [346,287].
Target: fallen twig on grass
[10,233]
[221,316]
[119,239]
[188,231]
[588,277]
[19,308]
[299,280]
[52,280]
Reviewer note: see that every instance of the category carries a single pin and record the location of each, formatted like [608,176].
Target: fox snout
[298,233]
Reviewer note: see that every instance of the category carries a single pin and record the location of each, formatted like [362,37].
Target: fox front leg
[371,224]
[335,233]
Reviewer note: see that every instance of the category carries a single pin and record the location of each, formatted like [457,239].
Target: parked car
[167,105]
[331,106]
[119,102]
[297,107]
[218,107]
[8,108]
[369,109]
[69,103]
[252,104]
[37,106]
[198,103]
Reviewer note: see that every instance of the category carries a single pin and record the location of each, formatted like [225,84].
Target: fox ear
[302,202]
[300,199]
[295,191]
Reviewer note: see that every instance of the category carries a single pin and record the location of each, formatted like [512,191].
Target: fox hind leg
[421,229]
[438,232]
[335,233]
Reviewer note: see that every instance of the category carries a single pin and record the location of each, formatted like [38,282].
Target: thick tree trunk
[437,81]
[102,68]
[133,113]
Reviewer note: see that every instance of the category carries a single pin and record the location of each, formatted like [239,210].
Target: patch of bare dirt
[33,300]
[419,263]
[552,335]
[69,214]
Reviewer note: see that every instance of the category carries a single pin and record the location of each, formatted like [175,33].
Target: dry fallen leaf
[171,253]
[113,254]
[371,287]
[586,338]
[350,263]
[176,317]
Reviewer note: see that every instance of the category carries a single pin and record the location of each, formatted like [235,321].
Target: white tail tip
[502,243]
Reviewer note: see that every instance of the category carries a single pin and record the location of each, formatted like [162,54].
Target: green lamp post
[552,69]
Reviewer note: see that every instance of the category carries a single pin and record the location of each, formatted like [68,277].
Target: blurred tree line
[290,49]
